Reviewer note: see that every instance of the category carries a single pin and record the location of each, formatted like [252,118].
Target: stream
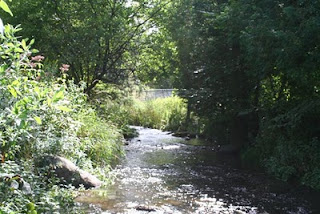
[165,174]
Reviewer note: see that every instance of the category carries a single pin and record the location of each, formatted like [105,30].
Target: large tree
[251,70]
[95,37]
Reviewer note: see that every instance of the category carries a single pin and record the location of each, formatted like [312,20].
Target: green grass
[162,113]
[100,139]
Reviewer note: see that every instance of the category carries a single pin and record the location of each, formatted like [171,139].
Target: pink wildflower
[64,68]
[37,58]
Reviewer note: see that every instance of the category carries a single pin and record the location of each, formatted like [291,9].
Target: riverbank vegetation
[251,69]
[41,115]
[247,73]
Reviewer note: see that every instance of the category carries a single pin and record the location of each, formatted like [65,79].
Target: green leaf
[15,83]
[7,28]
[38,92]
[12,91]
[5,7]
[19,50]
[2,69]
[31,206]
[63,108]
[38,120]
[24,115]
[31,42]
[16,110]
[58,95]
[49,101]
[24,44]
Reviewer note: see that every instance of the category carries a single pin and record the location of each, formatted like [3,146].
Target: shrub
[38,116]
[35,115]
[50,199]
[287,149]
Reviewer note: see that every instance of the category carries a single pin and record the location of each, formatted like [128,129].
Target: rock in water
[145,208]
[69,173]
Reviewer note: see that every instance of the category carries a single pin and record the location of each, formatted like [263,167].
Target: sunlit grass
[162,113]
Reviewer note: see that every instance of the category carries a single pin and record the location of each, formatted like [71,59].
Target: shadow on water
[166,174]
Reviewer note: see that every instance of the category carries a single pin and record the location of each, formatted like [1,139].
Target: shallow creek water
[166,174]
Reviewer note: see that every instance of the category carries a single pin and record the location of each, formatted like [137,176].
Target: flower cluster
[64,68]
[37,58]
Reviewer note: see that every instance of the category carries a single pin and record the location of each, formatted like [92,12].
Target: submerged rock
[69,173]
[186,135]
[145,208]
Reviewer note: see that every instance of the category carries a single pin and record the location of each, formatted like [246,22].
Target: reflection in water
[166,174]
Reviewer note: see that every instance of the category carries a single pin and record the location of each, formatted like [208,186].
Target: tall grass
[162,113]
[100,139]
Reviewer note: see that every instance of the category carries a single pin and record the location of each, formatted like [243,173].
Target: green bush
[287,149]
[36,115]
[40,115]
[118,106]
[41,199]
[111,106]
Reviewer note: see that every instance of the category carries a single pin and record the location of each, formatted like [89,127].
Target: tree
[94,37]
[252,72]
[157,60]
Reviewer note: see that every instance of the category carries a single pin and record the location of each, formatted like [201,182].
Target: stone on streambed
[145,208]
[69,173]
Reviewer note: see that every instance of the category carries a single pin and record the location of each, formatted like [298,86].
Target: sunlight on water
[166,174]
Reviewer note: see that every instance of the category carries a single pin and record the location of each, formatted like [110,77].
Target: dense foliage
[252,69]
[42,115]
[98,39]
[127,108]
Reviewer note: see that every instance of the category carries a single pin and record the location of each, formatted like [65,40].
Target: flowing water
[166,174]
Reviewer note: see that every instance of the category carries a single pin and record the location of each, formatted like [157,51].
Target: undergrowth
[285,149]
[42,115]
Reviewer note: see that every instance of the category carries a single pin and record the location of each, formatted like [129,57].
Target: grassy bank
[162,113]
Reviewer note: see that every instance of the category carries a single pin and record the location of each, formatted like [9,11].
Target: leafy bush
[40,199]
[40,115]
[287,149]
[35,115]
[111,105]
[118,106]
